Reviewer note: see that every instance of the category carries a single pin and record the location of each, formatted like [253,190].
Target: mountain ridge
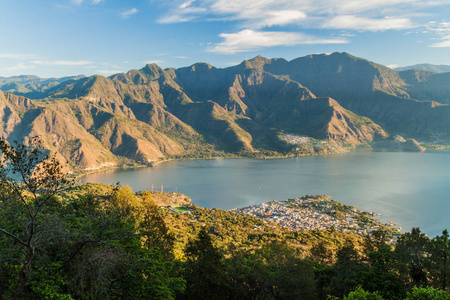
[150,114]
[426,67]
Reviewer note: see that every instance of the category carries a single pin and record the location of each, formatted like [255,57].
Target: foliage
[429,293]
[29,180]
[104,242]
[85,246]
[440,260]
[361,294]
[204,269]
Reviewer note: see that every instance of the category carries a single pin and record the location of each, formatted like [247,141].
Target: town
[316,212]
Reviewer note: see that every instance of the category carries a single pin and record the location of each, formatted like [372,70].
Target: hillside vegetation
[105,242]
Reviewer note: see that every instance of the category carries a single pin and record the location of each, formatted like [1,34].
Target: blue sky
[54,38]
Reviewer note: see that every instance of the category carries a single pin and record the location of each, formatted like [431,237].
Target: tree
[154,231]
[361,294]
[412,257]
[440,260]
[29,180]
[428,293]
[108,255]
[381,275]
[347,271]
[204,272]
[249,277]
[321,253]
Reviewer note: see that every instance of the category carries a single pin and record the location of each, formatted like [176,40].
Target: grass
[181,208]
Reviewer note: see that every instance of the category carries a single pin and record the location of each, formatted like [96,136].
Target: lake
[408,188]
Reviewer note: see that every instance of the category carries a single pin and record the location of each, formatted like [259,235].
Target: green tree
[153,229]
[291,276]
[274,271]
[29,180]
[108,258]
[204,270]
[347,272]
[249,277]
[56,246]
[321,253]
[381,275]
[440,259]
[412,252]
[427,293]
[361,294]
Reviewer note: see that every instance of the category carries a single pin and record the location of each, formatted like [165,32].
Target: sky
[55,38]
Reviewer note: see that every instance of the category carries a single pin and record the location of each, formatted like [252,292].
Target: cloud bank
[253,19]
[442,30]
[249,40]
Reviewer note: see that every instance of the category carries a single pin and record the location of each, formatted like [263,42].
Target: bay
[409,188]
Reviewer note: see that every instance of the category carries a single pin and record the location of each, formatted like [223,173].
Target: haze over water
[408,188]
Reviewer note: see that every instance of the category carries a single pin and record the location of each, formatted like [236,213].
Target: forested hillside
[61,241]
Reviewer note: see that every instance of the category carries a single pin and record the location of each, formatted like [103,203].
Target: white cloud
[183,13]
[232,63]
[257,14]
[358,6]
[129,12]
[149,62]
[249,40]
[281,17]
[96,1]
[91,67]
[17,56]
[186,4]
[62,62]
[394,66]
[109,72]
[367,24]
[350,15]
[20,66]
[77,2]
[110,65]
[442,30]
[442,44]
[171,19]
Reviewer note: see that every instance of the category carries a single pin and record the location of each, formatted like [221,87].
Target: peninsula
[317,213]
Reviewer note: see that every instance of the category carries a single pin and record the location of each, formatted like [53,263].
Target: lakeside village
[318,212]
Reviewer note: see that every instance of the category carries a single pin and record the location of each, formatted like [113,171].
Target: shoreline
[80,174]
[388,209]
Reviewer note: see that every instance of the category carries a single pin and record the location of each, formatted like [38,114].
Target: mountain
[31,86]
[426,67]
[388,97]
[427,86]
[149,114]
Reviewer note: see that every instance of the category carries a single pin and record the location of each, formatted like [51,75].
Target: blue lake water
[408,188]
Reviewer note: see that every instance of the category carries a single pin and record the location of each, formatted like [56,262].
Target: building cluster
[438,137]
[310,214]
[294,139]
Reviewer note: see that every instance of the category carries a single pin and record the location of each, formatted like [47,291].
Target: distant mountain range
[148,114]
[427,67]
[30,85]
